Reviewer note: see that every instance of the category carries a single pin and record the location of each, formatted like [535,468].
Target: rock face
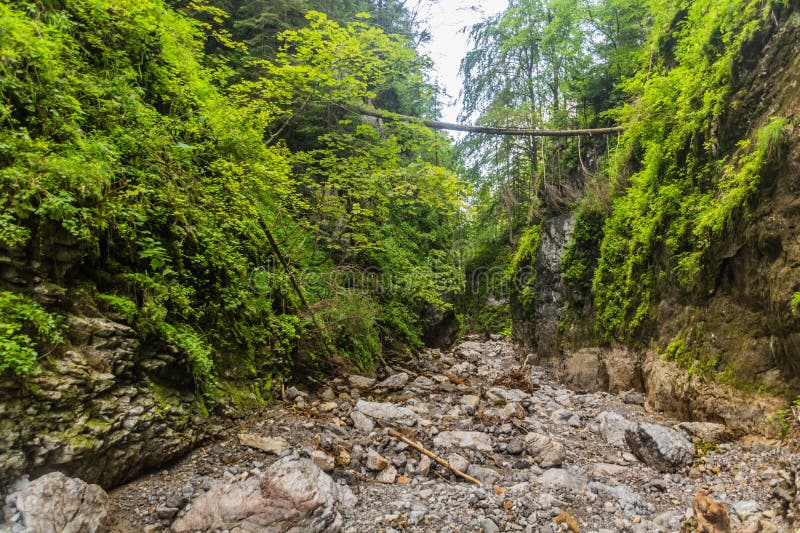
[687,396]
[55,503]
[739,316]
[292,495]
[536,327]
[101,412]
[663,448]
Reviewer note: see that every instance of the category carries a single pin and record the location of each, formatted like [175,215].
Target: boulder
[547,452]
[292,495]
[362,422]
[55,502]
[613,427]
[388,412]
[663,448]
[394,382]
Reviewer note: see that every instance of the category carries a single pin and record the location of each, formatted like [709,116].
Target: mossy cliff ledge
[105,409]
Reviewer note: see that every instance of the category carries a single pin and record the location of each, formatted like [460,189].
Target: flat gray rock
[474,440]
[395,382]
[388,412]
[707,431]
[558,477]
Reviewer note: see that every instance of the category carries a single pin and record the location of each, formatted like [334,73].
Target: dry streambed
[472,440]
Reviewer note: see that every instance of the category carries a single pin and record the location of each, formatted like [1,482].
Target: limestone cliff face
[741,317]
[104,407]
[537,318]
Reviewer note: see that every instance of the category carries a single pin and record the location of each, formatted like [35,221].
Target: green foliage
[680,352]
[25,330]
[528,245]
[682,198]
[522,265]
[582,253]
[796,304]
[165,165]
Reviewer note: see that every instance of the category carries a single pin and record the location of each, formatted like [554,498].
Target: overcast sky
[448,45]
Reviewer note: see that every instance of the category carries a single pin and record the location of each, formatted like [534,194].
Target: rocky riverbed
[471,439]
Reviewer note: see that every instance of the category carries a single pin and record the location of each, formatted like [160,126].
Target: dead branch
[425,451]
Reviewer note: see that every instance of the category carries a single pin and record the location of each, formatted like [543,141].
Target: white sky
[445,19]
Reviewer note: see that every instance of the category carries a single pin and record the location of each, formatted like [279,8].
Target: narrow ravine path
[549,459]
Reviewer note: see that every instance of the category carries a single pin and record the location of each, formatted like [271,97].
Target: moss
[683,194]
[247,396]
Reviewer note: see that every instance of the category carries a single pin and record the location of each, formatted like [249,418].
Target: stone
[422,382]
[387,475]
[360,382]
[394,382]
[327,407]
[55,502]
[484,474]
[707,431]
[166,513]
[613,426]
[509,395]
[323,460]
[362,422]
[745,509]
[375,461]
[474,440]
[275,446]
[459,462]
[663,448]
[547,452]
[292,495]
[424,466]
[470,403]
[623,493]
[515,447]
[487,525]
[293,393]
[388,412]
[557,477]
